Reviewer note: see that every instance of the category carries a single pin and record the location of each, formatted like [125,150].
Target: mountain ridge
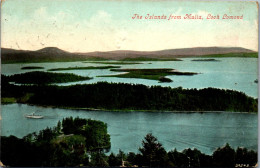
[54,54]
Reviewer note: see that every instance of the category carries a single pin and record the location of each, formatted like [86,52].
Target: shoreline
[119,110]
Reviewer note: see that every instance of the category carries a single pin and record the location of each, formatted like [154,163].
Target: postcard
[129,83]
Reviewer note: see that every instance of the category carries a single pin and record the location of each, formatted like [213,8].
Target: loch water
[204,131]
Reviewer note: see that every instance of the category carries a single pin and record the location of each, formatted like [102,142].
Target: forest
[40,78]
[119,96]
[86,142]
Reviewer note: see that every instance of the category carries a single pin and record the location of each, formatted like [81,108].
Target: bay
[204,131]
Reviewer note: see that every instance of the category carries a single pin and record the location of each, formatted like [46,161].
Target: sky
[98,25]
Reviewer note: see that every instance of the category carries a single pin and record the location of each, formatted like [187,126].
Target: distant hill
[52,50]
[171,53]
[56,54]
[43,55]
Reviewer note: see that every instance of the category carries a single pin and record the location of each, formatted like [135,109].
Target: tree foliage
[39,77]
[120,96]
[224,156]
[70,150]
[58,146]
[153,152]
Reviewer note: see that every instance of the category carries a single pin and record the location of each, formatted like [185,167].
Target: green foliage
[113,62]
[8,100]
[98,159]
[247,55]
[18,152]
[95,132]
[46,135]
[164,79]
[178,159]
[120,96]
[38,77]
[96,135]
[113,160]
[153,152]
[83,68]
[244,157]
[70,150]
[206,60]
[152,74]
[193,157]
[25,58]
[32,67]
[224,156]
[52,147]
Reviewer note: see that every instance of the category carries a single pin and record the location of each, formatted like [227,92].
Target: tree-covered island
[83,68]
[151,74]
[32,67]
[40,77]
[121,97]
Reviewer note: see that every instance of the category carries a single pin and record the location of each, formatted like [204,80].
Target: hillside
[55,54]
[171,53]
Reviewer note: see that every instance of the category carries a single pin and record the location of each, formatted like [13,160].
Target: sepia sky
[83,26]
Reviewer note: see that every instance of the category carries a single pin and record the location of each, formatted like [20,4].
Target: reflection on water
[204,131]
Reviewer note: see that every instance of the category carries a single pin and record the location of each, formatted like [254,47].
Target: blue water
[204,131]
[227,73]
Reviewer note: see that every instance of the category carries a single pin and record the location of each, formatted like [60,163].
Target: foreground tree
[68,144]
[245,157]
[224,156]
[84,144]
[153,152]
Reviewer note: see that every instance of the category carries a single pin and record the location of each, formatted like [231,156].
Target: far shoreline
[120,110]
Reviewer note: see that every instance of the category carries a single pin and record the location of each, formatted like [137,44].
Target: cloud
[102,31]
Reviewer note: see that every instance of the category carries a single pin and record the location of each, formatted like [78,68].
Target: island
[152,74]
[244,55]
[40,77]
[113,62]
[83,68]
[128,97]
[164,79]
[32,67]
[206,60]
[150,59]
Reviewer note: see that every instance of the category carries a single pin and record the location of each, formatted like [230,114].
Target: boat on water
[34,116]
